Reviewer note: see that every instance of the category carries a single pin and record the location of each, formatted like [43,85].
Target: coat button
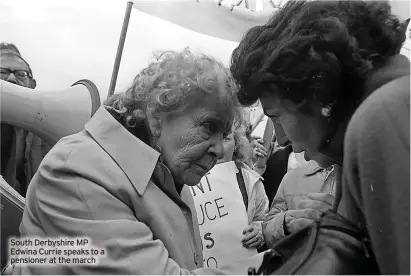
[196,259]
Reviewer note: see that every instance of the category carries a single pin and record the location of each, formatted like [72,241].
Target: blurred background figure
[304,194]
[238,149]
[21,151]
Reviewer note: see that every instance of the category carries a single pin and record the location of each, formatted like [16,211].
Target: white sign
[221,216]
[260,129]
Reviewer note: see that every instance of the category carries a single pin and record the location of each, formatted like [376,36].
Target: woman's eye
[210,127]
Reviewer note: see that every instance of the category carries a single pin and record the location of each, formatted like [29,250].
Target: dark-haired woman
[330,76]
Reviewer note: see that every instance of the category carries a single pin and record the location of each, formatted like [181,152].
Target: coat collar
[312,168]
[251,177]
[134,157]
[164,180]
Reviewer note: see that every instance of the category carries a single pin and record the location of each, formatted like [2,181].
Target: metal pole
[120,49]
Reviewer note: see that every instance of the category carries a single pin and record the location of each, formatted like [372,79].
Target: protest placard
[260,129]
[221,216]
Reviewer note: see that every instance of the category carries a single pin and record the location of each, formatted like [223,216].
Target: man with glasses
[21,151]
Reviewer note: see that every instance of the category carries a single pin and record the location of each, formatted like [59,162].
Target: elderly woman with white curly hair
[122,181]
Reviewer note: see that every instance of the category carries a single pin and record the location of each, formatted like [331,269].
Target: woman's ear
[33,83]
[154,124]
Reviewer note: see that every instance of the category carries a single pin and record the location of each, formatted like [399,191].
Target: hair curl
[242,145]
[321,50]
[171,82]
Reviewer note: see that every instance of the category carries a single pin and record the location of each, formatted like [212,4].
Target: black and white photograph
[205,137]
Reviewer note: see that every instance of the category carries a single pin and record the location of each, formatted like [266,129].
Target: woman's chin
[194,178]
[221,161]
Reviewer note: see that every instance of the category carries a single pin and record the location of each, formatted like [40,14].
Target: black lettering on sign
[209,238]
[205,208]
[219,207]
[202,213]
[200,186]
[205,213]
[208,182]
[212,262]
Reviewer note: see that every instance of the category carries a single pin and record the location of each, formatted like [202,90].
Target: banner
[221,19]
[221,216]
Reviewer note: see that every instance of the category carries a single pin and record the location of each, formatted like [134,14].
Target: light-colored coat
[295,187]
[99,183]
[257,199]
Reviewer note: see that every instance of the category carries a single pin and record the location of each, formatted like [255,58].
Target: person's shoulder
[80,143]
[388,104]
[381,123]
[79,153]
[300,172]
[249,173]
[79,157]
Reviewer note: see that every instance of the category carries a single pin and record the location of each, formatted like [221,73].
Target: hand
[295,220]
[259,149]
[318,201]
[252,236]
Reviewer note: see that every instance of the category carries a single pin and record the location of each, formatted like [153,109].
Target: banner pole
[120,49]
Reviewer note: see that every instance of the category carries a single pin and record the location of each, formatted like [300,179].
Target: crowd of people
[330,78]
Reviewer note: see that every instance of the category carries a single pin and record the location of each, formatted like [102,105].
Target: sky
[65,41]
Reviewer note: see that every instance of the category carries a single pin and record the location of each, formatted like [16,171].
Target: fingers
[260,141]
[252,239]
[256,243]
[260,152]
[249,232]
[249,228]
[314,204]
[261,147]
[324,197]
[257,140]
[250,235]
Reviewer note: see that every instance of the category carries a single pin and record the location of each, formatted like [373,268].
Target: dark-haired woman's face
[304,130]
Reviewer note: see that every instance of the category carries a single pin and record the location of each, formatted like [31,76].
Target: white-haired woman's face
[192,139]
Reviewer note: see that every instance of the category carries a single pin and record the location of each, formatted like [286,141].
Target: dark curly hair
[321,50]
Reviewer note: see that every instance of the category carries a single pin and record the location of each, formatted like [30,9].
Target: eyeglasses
[20,74]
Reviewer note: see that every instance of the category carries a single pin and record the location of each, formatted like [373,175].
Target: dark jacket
[376,180]
[21,154]
[277,165]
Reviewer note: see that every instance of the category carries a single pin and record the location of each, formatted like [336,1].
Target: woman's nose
[12,78]
[282,139]
[217,148]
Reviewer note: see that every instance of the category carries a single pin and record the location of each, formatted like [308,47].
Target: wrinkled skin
[192,138]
